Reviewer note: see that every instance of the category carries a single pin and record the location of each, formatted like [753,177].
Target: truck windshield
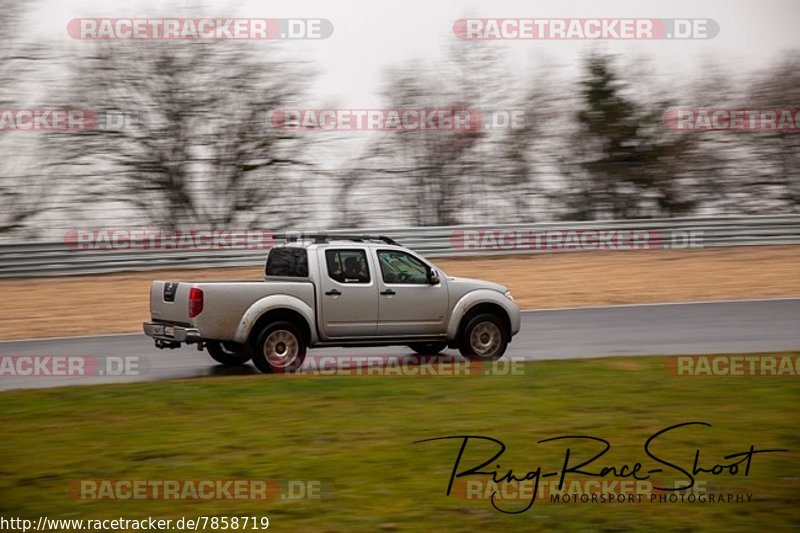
[291,262]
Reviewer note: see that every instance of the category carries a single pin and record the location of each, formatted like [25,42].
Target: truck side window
[288,261]
[347,266]
[400,267]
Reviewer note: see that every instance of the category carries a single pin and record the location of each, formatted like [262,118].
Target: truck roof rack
[320,238]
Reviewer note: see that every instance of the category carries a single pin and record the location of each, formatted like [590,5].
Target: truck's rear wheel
[428,348]
[279,348]
[484,338]
[228,353]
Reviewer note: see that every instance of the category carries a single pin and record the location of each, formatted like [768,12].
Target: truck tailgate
[169,302]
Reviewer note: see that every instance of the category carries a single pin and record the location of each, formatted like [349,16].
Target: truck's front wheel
[228,353]
[484,338]
[279,348]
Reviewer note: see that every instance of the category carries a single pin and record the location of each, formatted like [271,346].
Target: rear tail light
[195,302]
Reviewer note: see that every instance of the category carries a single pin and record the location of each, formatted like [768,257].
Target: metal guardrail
[59,259]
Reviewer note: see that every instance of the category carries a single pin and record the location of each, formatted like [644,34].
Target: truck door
[348,292]
[409,303]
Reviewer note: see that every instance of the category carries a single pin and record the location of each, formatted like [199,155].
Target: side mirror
[433,276]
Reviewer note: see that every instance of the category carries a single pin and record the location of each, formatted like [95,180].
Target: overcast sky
[372,35]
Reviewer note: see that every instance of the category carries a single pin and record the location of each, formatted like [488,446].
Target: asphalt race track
[676,329]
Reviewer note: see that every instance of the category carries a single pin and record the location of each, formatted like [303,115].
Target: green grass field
[355,435]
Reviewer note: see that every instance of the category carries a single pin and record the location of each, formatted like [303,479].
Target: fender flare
[271,303]
[477,297]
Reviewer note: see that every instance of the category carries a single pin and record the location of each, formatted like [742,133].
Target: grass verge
[355,435]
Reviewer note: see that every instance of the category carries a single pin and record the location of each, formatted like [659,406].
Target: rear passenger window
[288,261]
[347,266]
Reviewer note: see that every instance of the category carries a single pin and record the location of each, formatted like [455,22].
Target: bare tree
[422,168]
[775,155]
[522,160]
[749,172]
[22,188]
[445,176]
[194,144]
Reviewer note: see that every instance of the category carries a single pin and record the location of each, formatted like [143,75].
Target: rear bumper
[172,334]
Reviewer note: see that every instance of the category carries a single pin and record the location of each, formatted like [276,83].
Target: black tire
[228,353]
[428,348]
[280,348]
[484,338]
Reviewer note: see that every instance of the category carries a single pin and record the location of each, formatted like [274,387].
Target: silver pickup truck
[334,291]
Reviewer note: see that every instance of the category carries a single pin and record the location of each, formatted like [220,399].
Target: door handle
[333,292]
[388,292]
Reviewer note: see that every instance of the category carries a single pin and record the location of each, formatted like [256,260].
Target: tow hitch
[161,344]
